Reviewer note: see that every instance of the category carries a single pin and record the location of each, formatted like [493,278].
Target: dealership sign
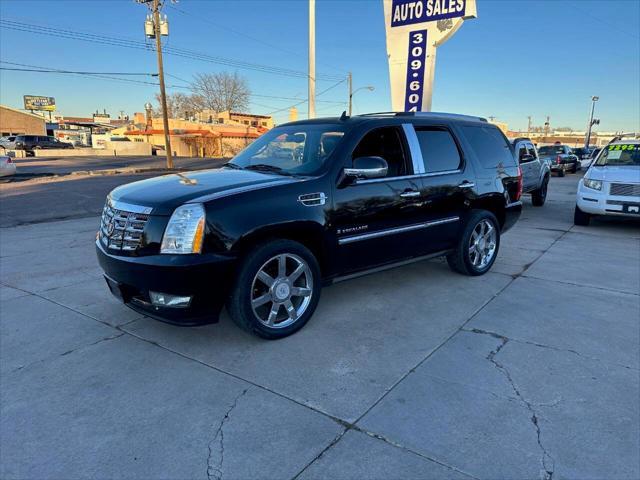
[415,28]
[32,102]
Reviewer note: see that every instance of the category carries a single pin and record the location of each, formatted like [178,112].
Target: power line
[305,101]
[179,52]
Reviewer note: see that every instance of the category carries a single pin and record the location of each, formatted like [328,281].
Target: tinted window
[439,150]
[385,143]
[490,146]
[30,138]
[522,151]
[531,150]
[551,150]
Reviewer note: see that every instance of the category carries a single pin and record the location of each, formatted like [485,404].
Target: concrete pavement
[531,371]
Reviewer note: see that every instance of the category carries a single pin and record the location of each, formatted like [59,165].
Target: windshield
[551,150]
[619,155]
[293,150]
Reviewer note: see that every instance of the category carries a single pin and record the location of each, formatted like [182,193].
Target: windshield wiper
[263,167]
[232,165]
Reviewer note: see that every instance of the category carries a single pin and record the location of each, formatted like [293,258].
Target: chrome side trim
[414,148]
[129,207]
[444,172]
[389,266]
[393,231]
[386,179]
[312,199]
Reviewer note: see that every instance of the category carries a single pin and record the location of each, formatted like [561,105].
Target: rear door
[447,181]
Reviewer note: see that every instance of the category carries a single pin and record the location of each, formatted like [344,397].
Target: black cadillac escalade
[306,204]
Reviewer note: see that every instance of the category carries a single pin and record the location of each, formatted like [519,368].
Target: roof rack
[425,114]
[619,137]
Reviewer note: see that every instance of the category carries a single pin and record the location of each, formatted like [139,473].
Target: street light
[592,122]
[351,94]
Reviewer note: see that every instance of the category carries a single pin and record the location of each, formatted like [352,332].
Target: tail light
[519,193]
[558,160]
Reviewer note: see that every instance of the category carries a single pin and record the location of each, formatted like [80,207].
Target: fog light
[165,300]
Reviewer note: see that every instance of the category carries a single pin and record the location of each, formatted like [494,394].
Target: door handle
[466,184]
[410,193]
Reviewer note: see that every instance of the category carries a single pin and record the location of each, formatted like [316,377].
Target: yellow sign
[32,102]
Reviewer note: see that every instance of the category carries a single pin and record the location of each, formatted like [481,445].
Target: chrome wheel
[281,290]
[482,245]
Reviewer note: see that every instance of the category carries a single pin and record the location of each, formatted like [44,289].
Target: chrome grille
[625,189]
[120,229]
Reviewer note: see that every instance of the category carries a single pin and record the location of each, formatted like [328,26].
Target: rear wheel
[478,246]
[580,217]
[539,196]
[574,169]
[277,289]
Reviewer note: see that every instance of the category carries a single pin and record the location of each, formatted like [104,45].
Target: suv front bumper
[598,202]
[206,278]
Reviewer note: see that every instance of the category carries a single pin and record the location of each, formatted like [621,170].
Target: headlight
[185,230]
[593,184]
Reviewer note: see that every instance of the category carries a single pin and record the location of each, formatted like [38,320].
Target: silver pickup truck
[535,171]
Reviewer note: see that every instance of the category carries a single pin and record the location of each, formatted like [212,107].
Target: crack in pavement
[215,472]
[549,347]
[68,352]
[547,461]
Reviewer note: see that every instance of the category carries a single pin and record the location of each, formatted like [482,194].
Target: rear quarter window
[490,146]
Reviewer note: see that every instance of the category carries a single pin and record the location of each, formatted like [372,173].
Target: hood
[617,174]
[164,194]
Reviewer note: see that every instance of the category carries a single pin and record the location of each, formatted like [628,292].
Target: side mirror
[367,167]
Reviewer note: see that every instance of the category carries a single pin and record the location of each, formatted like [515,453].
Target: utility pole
[312,58]
[350,83]
[529,126]
[587,139]
[156,6]
[547,124]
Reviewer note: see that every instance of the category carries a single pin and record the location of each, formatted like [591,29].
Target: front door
[376,221]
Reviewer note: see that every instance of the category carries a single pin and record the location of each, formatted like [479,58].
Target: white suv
[611,186]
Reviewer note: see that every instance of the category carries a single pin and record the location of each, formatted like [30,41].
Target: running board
[388,266]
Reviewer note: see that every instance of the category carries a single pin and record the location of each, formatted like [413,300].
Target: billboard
[415,28]
[33,102]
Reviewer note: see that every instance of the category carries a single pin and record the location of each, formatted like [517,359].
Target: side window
[531,150]
[490,146]
[439,150]
[522,151]
[384,142]
[30,138]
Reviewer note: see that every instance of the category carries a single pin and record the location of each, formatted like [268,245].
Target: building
[193,139]
[569,138]
[236,118]
[16,122]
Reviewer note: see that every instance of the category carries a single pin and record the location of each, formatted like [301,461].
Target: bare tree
[179,105]
[221,91]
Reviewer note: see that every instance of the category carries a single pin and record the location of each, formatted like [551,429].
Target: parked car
[29,143]
[7,167]
[560,159]
[582,153]
[7,141]
[535,172]
[611,185]
[265,232]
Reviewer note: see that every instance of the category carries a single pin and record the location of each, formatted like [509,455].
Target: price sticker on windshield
[624,147]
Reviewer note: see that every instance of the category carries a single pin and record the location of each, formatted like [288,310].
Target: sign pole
[312,58]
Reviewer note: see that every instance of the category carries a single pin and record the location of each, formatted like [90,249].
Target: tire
[581,218]
[261,289]
[464,260]
[539,196]
[574,169]
[561,172]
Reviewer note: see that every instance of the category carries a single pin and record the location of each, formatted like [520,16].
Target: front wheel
[277,289]
[478,246]
[539,196]
[580,217]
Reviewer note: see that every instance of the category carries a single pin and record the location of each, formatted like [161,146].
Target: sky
[519,58]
